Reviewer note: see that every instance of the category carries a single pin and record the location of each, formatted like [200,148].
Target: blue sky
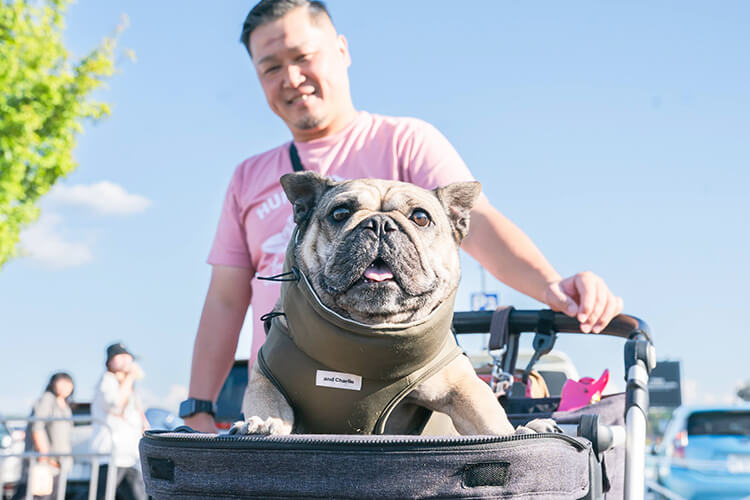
[616,136]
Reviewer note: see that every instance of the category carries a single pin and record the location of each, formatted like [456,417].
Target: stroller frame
[639,358]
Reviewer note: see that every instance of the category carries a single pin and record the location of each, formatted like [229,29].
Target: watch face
[187,408]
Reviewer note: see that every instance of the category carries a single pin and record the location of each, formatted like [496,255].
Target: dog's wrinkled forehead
[311,193]
[379,196]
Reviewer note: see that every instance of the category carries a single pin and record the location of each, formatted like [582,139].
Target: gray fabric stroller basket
[609,412]
[184,464]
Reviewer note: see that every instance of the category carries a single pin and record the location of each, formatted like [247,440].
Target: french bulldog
[382,256]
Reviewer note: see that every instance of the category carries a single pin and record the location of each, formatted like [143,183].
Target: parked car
[10,467]
[705,452]
[161,419]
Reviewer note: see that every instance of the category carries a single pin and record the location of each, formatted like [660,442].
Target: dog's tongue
[378,271]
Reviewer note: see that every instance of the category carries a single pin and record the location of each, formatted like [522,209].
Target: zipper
[231,442]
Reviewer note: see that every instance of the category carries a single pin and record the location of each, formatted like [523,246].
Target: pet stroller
[603,459]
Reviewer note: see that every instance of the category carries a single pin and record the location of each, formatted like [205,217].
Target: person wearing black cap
[116,404]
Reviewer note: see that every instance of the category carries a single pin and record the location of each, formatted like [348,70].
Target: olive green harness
[345,377]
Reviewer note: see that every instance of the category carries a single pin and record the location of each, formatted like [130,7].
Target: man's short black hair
[267,11]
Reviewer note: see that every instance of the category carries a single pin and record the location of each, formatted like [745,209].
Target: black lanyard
[294,156]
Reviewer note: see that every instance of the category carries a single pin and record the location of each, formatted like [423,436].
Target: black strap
[544,340]
[294,156]
[283,276]
[267,319]
[499,327]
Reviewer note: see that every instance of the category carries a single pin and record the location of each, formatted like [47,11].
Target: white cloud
[42,242]
[103,197]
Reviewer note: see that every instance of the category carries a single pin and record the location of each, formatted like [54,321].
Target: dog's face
[379,251]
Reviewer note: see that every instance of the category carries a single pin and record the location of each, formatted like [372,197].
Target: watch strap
[191,406]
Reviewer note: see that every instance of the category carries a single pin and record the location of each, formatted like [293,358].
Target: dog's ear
[304,190]
[458,200]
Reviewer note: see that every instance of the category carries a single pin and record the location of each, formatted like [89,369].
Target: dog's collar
[384,351]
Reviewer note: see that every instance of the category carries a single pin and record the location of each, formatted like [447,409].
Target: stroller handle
[520,321]
[640,359]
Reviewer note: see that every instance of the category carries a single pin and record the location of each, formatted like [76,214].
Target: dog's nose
[380,224]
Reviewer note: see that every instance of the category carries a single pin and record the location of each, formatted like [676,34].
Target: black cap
[116,349]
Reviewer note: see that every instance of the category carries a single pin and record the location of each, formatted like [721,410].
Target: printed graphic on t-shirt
[272,203]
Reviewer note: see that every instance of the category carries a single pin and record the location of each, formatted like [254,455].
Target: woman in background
[49,438]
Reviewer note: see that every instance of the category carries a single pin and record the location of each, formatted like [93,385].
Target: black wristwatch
[191,406]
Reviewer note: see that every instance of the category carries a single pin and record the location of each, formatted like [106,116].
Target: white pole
[635,440]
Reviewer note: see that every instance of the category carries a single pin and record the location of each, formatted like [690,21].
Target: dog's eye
[340,214]
[420,217]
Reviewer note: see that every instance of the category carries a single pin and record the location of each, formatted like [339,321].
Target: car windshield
[724,423]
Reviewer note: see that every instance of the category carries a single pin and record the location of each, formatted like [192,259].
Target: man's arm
[506,252]
[223,313]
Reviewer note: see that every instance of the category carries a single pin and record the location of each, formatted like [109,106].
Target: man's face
[302,66]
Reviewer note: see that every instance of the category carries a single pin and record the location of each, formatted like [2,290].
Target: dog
[363,325]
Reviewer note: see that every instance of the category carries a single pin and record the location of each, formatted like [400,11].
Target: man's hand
[202,422]
[586,297]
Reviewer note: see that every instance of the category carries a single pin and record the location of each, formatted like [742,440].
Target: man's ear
[304,190]
[458,200]
[343,47]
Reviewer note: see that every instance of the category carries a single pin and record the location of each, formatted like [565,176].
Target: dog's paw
[256,425]
[539,425]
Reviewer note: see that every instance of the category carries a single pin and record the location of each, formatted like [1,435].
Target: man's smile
[301,95]
[299,98]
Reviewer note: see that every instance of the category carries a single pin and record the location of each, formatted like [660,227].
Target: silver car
[10,467]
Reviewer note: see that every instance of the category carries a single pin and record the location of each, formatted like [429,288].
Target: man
[302,64]
[116,403]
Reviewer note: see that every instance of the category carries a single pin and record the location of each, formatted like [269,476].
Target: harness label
[338,380]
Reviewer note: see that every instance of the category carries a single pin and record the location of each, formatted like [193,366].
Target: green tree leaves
[44,99]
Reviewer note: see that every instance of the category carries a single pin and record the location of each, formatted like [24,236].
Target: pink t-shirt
[256,220]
